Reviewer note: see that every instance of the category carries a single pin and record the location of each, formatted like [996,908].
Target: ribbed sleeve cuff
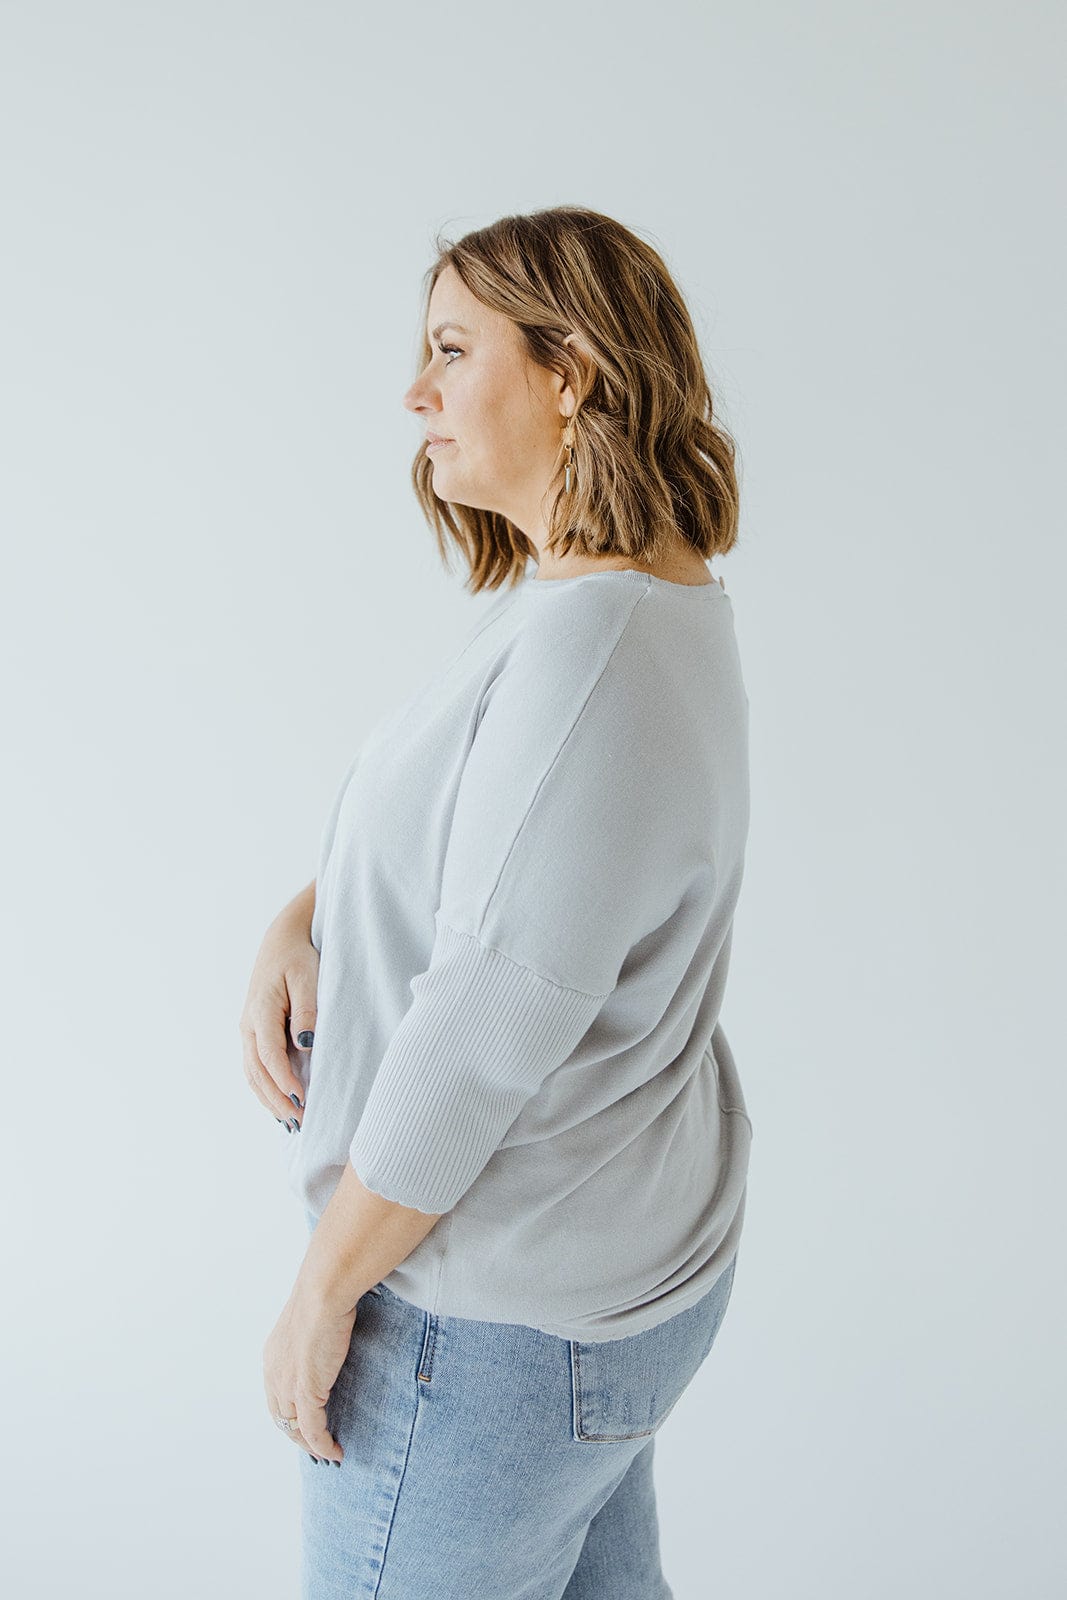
[481,1036]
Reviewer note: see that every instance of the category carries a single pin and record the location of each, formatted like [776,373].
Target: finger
[294,1434]
[313,1429]
[302,1016]
[275,1053]
[262,1084]
[279,1409]
[272,1047]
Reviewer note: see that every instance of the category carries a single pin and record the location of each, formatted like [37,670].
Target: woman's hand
[281,1005]
[301,1359]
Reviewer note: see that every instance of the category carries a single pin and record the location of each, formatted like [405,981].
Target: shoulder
[566,638]
[615,663]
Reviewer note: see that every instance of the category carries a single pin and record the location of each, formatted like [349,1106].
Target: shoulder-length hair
[650,459]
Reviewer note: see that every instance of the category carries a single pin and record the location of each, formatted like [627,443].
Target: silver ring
[290,1424]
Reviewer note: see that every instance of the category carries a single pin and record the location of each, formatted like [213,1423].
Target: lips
[435,439]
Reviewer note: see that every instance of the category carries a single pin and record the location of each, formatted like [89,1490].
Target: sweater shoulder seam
[550,768]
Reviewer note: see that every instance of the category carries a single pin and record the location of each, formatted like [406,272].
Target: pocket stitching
[580,1432]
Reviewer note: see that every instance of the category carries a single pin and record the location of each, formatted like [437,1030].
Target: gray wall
[215,220]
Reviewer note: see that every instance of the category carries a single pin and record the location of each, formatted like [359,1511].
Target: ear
[568,399]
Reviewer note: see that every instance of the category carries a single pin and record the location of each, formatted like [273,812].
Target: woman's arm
[359,1239]
[299,911]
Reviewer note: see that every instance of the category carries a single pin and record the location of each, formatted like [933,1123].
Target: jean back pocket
[625,1388]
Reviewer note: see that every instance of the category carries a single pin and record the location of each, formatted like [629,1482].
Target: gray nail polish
[295,1098]
[306,1037]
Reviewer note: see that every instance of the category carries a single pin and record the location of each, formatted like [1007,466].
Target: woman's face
[502,414]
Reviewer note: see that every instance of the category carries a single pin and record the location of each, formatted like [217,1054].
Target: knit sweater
[524,904]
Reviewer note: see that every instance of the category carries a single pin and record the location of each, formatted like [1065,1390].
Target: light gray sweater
[524,905]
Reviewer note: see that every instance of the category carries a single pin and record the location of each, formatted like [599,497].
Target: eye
[449,349]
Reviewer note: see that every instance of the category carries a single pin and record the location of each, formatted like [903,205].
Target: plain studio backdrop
[216,218]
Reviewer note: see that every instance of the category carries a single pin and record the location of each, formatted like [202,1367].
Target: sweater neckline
[630,574]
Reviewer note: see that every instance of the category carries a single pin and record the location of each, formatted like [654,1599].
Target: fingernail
[293,1125]
[295,1098]
[305,1038]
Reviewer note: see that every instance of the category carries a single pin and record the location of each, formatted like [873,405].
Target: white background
[215,222]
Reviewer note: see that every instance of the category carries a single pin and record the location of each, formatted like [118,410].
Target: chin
[465,500]
[458,496]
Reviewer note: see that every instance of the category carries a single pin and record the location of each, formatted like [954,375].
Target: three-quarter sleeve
[573,837]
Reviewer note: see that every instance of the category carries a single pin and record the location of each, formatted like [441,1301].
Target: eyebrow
[441,326]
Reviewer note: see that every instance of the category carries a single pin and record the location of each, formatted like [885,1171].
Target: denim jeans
[491,1461]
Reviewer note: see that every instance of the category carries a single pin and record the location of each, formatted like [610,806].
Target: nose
[421,396]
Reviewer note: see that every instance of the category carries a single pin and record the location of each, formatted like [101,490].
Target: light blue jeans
[491,1461]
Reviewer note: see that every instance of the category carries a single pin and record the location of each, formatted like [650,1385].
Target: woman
[519,1137]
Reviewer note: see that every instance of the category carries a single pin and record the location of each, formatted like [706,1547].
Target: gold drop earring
[568,440]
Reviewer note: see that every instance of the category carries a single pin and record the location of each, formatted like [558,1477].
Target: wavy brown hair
[651,461]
